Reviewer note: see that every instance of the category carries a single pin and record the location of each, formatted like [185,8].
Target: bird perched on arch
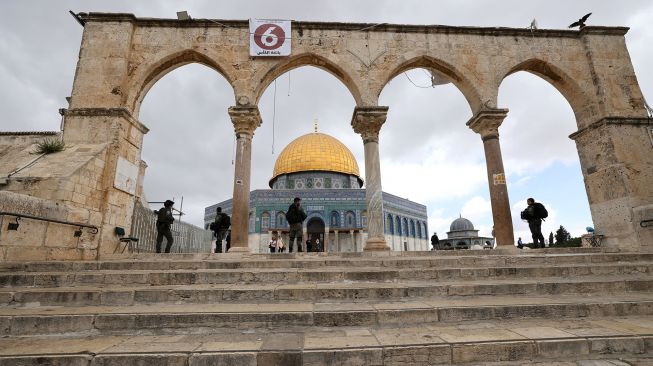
[581,22]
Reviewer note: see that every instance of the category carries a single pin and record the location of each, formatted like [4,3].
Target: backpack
[225,222]
[291,215]
[541,211]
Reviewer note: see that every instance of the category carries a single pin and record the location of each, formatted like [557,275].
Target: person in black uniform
[534,213]
[435,242]
[220,227]
[163,223]
[295,217]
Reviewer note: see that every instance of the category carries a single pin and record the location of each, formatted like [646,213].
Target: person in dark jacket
[220,226]
[295,217]
[435,241]
[533,214]
[164,221]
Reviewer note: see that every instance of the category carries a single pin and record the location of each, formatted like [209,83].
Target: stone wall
[41,240]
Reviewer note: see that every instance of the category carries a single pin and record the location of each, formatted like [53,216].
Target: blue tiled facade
[340,209]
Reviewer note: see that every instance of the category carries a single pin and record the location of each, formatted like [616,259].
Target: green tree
[551,238]
[562,235]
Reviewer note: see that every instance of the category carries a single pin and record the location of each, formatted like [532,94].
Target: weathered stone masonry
[122,56]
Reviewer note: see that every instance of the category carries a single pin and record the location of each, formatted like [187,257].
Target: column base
[376,245]
[511,249]
[238,250]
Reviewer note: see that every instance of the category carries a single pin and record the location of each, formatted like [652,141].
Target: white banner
[126,176]
[269,37]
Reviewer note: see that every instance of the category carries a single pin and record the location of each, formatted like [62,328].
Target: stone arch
[308,59]
[559,79]
[469,90]
[153,72]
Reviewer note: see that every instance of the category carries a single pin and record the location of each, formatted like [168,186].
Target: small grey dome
[461,224]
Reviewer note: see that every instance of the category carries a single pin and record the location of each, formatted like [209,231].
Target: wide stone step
[193,319]
[572,341]
[165,262]
[341,291]
[331,274]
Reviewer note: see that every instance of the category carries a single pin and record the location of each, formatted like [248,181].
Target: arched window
[364,219]
[419,230]
[404,224]
[265,221]
[335,219]
[350,219]
[390,225]
[398,221]
[281,220]
[412,228]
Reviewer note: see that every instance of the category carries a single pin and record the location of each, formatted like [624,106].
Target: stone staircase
[548,307]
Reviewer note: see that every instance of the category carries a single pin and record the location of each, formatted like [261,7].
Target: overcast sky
[428,155]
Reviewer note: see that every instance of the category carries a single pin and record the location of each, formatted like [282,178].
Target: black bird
[581,22]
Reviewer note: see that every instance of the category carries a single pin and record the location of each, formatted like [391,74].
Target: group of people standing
[164,219]
[534,214]
[220,227]
[295,217]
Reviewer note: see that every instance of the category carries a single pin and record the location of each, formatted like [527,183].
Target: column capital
[487,121]
[245,120]
[367,122]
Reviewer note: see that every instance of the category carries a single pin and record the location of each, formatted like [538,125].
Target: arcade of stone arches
[122,57]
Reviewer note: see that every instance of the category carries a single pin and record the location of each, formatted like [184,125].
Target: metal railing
[94,229]
[188,238]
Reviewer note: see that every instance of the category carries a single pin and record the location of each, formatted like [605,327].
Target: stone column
[486,123]
[367,122]
[337,241]
[245,120]
[326,239]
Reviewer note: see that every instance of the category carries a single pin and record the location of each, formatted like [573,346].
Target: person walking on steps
[295,217]
[220,226]
[164,221]
[534,214]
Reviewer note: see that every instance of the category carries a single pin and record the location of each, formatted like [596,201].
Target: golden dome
[315,151]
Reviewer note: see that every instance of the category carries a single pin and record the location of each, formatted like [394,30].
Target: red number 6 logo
[269,36]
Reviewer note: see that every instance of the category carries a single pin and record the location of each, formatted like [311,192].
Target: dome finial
[315,124]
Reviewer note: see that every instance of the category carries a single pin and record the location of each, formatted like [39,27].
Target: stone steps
[310,275]
[340,291]
[207,318]
[428,308]
[487,259]
[585,341]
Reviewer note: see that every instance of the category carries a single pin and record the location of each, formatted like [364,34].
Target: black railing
[94,229]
